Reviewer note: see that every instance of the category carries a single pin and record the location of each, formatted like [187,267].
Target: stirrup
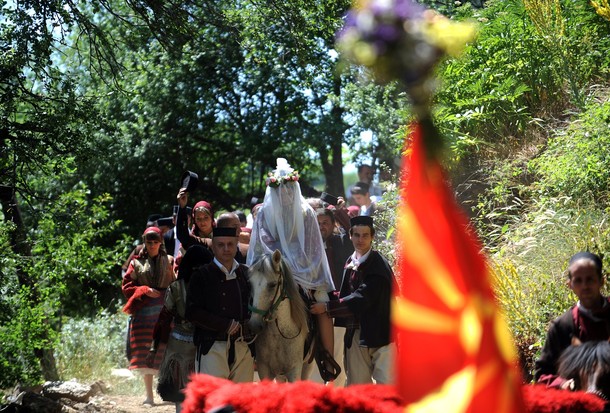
[323,357]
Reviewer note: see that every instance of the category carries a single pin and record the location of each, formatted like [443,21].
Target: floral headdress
[282,174]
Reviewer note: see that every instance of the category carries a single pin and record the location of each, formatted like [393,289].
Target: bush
[385,224]
[576,162]
[62,275]
[520,69]
[529,269]
[91,347]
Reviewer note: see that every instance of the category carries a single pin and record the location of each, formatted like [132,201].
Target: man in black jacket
[364,309]
[217,304]
[587,320]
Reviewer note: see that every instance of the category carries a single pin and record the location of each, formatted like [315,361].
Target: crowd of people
[188,293]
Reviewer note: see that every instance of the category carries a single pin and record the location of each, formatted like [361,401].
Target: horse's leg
[295,373]
[264,372]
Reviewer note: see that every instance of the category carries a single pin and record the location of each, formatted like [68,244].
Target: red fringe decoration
[205,392]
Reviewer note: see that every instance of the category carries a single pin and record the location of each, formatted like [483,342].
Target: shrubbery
[91,347]
[64,275]
[577,161]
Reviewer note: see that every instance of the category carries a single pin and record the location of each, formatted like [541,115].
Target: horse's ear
[576,341]
[277,260]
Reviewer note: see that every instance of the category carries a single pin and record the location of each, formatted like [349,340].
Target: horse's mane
[585,358]
[297,305]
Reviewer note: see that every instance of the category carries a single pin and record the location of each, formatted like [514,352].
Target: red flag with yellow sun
[455,352]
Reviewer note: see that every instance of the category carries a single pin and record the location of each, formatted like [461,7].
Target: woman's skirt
[140,335]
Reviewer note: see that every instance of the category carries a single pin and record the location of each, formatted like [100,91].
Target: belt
[182,337]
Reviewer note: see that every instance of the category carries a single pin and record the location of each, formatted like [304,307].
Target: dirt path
[131,404]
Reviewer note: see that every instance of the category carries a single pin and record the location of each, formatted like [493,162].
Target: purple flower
[399,40]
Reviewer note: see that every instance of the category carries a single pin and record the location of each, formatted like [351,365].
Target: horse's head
[588,365]
[266,279]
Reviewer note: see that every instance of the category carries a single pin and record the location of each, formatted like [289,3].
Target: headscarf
[157,270]
[202,206]
[286,222]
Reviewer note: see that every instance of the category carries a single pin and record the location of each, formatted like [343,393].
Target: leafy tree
[46,121]
[237,95]
[65,272]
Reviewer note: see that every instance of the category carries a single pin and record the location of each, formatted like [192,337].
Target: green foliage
[382,111]
[576,162]
[484,95]
[91,347]
[385,224]
[68,271]
[530,267]
[502,202]
[17,362]
[69,247]
[514,73]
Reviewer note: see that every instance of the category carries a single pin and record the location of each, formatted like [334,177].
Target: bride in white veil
[287,223]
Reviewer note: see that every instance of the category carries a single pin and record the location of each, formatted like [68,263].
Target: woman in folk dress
[144,284]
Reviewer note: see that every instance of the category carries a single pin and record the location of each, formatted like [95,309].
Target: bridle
[278,296]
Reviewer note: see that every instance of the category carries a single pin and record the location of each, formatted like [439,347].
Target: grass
[529,269]
[91,348]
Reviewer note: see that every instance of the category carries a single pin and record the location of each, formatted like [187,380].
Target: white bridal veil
[286,222]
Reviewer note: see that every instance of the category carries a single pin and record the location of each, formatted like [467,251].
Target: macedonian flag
[455,351]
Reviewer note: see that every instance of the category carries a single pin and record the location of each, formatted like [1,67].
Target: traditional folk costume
[216,296]
[364,309]
[144,273]
[286,222]
[179,358]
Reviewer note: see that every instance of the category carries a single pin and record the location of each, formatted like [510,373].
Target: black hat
[189,181]
[361,220]
[165,222]
[224,232]
[152,219]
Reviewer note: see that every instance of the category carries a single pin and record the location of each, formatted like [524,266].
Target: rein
[278,298]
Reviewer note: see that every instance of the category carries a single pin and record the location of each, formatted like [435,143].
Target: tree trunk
[331,156]
[20,246]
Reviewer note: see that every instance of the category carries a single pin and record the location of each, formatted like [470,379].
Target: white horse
[279,317]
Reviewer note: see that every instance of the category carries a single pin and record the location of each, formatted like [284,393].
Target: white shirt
[230,275]
[355,263]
